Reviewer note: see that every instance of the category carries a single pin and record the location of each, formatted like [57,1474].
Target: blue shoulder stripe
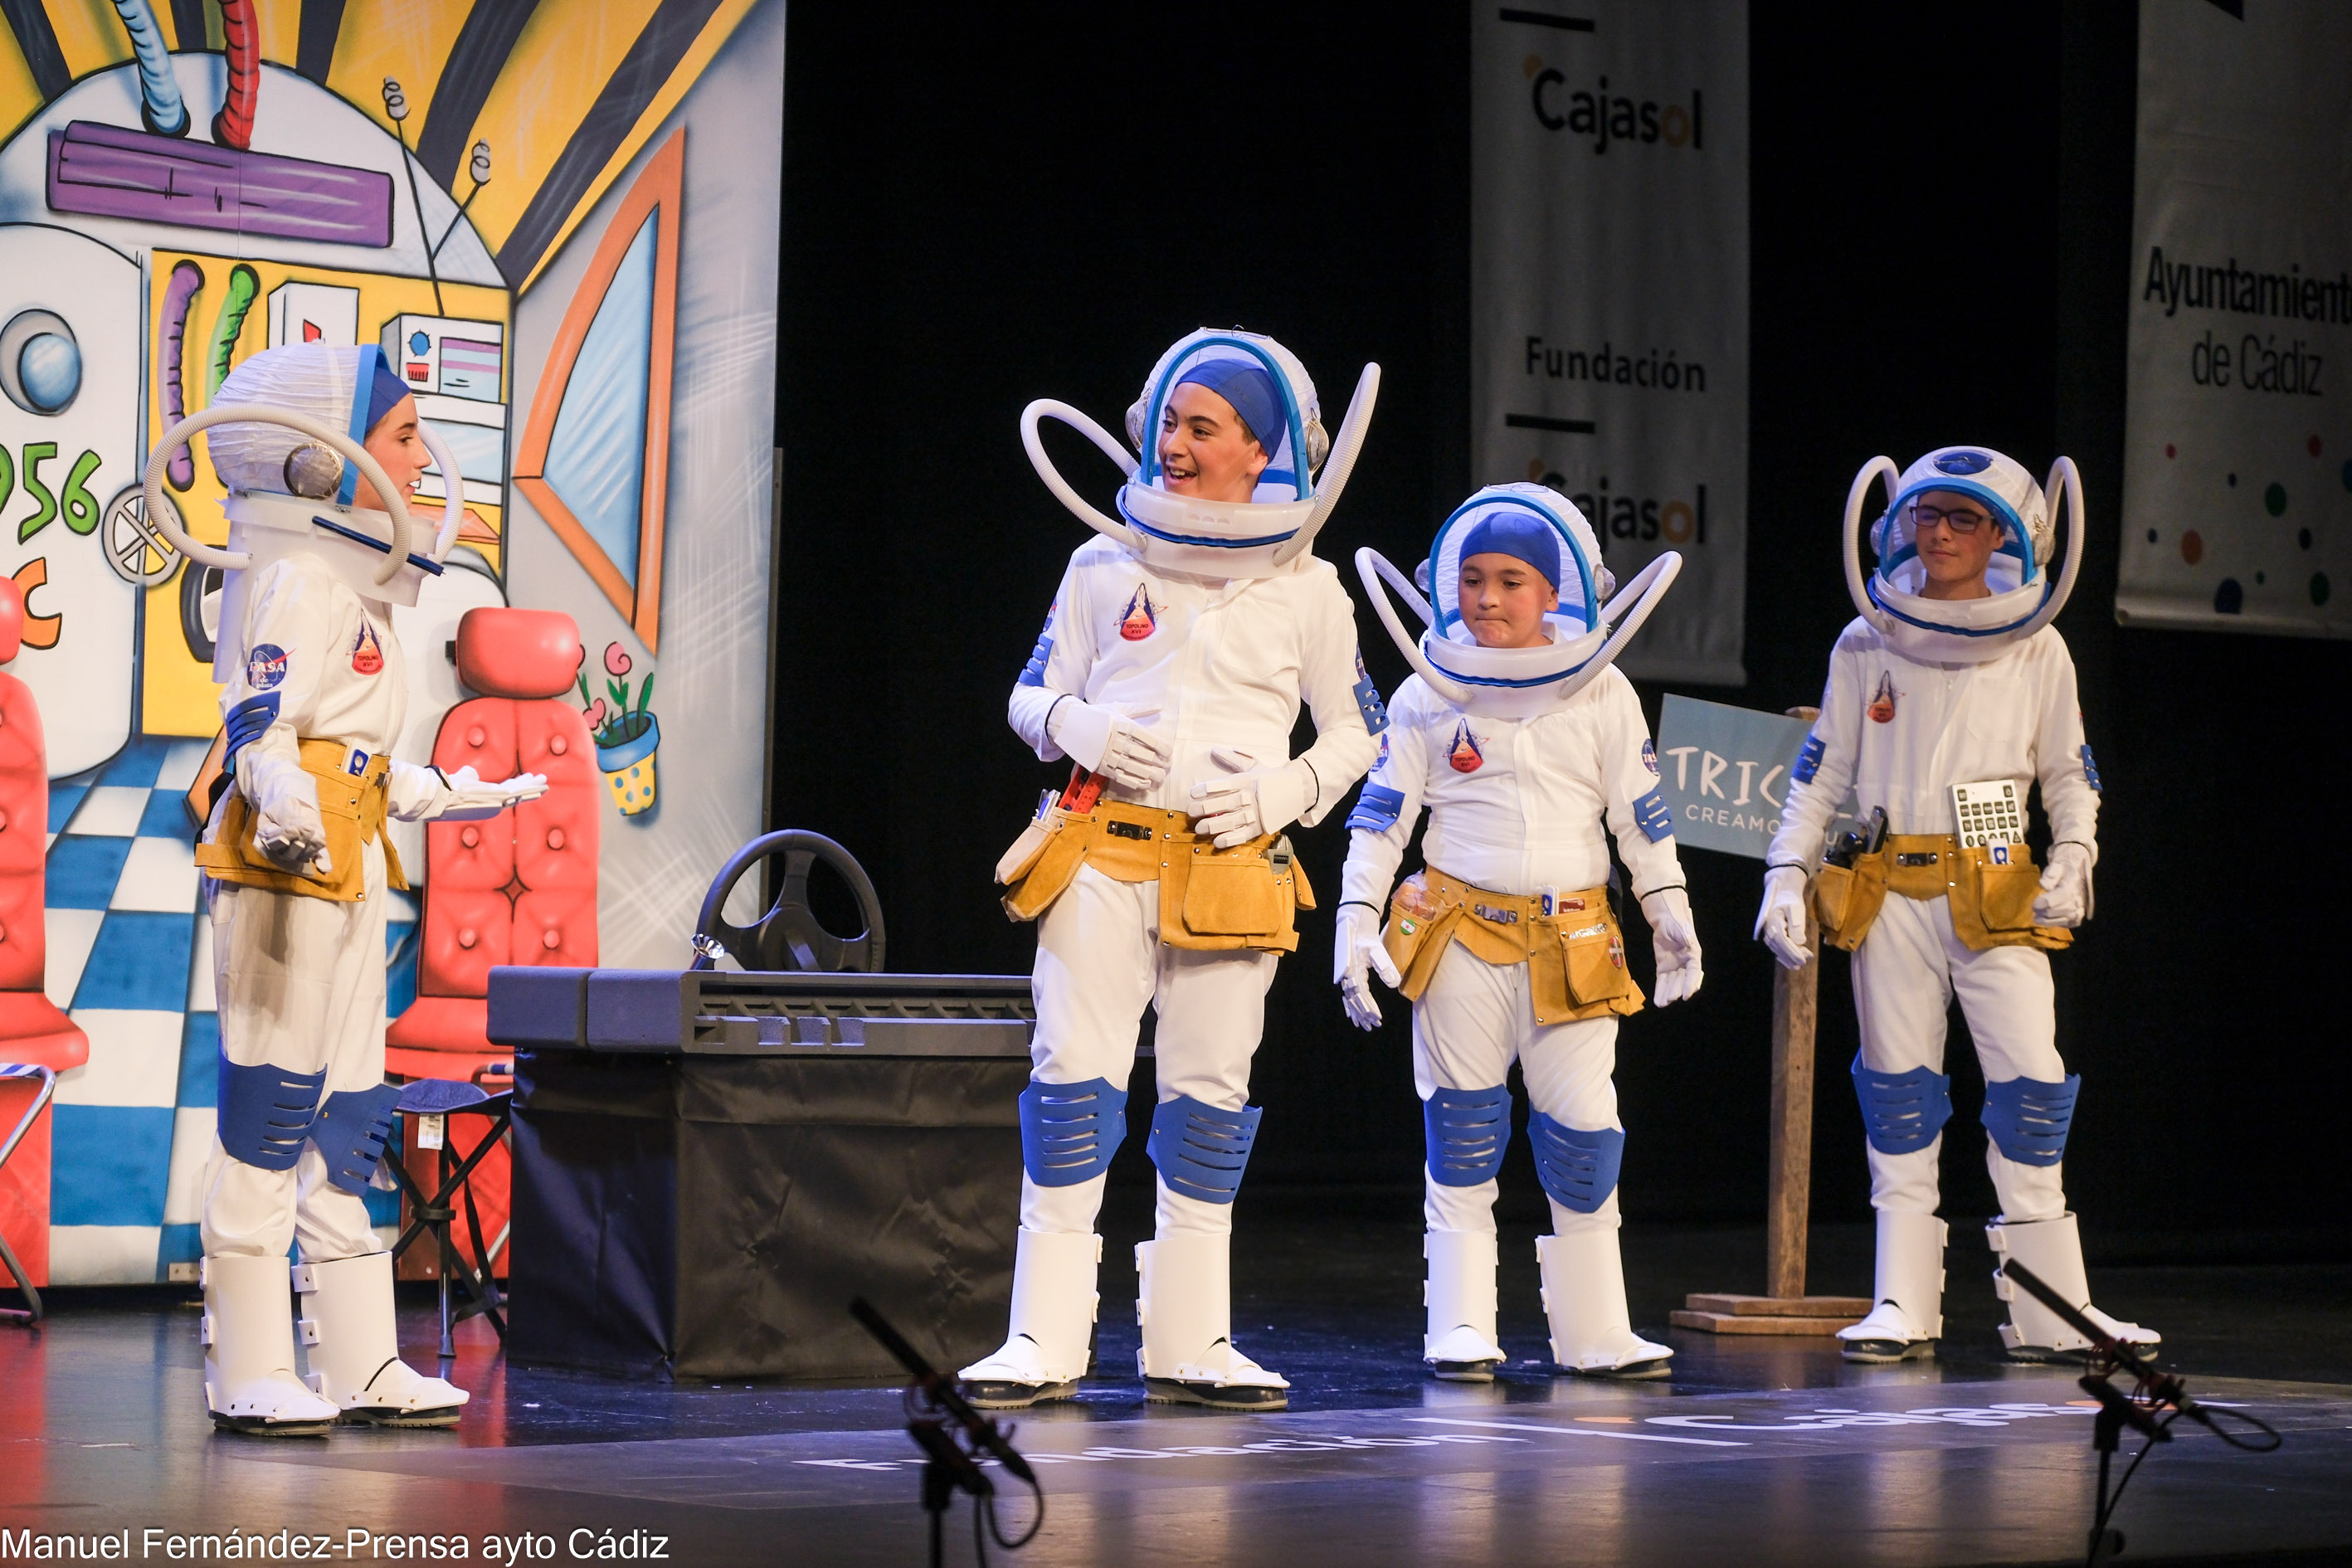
[1033,672]
[1377,808]
[248,723]
[1656,820]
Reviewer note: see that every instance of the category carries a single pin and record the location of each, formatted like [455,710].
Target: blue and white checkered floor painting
[131,959]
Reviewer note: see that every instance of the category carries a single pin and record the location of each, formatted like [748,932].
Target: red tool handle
[1083,790]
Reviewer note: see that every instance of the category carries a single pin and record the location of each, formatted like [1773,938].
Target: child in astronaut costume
[1521,738]
[1171,671]
[1953,676]
[296,867]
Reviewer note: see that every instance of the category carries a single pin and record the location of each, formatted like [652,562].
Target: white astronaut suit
[314,701]
[1520,756]
[1171,666]
[1924,695]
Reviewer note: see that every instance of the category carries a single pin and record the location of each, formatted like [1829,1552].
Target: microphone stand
[2153,1391]
[932,1402]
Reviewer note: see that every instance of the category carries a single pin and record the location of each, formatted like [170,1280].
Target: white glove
[1250,804]
[471,800]
[1358,953]
[1674,937]
[1782,923]
[285,825]
[1104,741]
[2066,897]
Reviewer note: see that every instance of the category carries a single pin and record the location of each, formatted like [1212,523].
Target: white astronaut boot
[2052,1249]
[1584,1298]
[1460,1295]
[354,1347]
[1908,1287]
[248,1338]
[1185,1309]
[1050,1346]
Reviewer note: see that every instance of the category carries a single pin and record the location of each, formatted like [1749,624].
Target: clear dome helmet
[292,475]
[1594,621]
[1305,470]
[2025,596]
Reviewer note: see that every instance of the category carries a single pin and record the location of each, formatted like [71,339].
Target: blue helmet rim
[1198,539]
[2048,588]
[1504,682]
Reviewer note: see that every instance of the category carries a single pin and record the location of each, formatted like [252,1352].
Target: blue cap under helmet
[384,393]
[1249,389]
[1520,535]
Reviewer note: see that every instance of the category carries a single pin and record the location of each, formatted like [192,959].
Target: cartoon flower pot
[628,764]
[627,738]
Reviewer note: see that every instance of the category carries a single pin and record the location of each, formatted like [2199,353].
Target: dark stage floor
[1755,1452]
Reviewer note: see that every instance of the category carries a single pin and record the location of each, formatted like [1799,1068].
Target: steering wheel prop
[789,936]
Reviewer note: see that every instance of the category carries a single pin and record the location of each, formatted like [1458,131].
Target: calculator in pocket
[1992,812]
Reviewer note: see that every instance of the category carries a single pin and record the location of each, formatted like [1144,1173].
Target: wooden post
[1784,1308]
[1796,998]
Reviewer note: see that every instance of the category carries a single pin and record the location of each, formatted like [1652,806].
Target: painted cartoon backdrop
[558,221]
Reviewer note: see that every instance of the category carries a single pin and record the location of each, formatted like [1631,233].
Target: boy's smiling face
[1205,451]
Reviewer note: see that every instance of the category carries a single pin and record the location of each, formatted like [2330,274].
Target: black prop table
[709,1166]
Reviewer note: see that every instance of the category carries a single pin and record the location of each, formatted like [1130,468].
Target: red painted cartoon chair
[519,887]
[33,1035]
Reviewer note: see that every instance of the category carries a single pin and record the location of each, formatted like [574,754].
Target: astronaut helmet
[287,433]
[1592,626]
[2026,594]
[1304,471]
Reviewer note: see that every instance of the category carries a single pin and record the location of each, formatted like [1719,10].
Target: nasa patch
[265,668]
[1650,757]
[1465,755]
[1963,463]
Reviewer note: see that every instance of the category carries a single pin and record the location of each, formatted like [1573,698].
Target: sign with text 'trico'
[1724,773]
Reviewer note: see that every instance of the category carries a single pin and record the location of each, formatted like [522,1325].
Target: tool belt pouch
[1846,901]
[1592,960]
[1992,900]
[350,812]
[1219,899]
[1043,862]
[1419,929]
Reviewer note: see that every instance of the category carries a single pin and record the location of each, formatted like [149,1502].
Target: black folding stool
[445,1097]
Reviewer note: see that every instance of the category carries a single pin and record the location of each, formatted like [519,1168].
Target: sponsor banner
[2237,503]
[1609,293]
[1724,772]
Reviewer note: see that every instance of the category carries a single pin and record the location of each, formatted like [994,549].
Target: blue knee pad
[1577,1168]
[2028,1118]
[1466,1133]
[1902,1111]
[266,1113]
[1070,1130]
[1201,1151]
[351,1132]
